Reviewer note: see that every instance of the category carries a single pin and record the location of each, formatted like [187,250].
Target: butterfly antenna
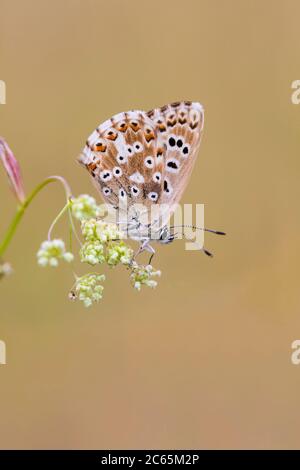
[194,227]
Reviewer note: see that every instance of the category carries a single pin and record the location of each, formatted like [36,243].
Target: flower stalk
[23,206]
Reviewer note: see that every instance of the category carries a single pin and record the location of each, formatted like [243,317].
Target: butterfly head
[166,236]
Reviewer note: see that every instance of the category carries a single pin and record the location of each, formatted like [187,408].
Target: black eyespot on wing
[172,142]
[173,165]
[166,187]
[185,150]
[179,143]
[137,147]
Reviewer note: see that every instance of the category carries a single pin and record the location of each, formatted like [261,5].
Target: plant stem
[64,209]
[21,209]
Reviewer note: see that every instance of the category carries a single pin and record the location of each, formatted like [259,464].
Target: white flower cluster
[99,230]
[51,251]
[118,253]
[142,275]
[88,289]
[92,252]
[84,207]
[103,242]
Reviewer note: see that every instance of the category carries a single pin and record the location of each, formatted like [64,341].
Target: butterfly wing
[125,158]
[145,158]
[180,127]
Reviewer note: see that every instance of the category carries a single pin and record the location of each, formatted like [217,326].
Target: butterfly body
[139,160]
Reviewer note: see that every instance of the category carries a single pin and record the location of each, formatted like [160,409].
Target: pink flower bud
[12,168]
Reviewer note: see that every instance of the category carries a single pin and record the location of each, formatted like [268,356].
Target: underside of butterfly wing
[125,158]
[180,127]
[145,159]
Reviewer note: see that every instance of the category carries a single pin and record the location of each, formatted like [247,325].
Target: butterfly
[145,159]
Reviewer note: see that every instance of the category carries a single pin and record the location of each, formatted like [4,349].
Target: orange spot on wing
[149,135]
[111,135]
[122,126]
[99,147]
[134,126]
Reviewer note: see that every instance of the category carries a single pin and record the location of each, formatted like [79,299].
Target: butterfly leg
[145,246]
[151,258]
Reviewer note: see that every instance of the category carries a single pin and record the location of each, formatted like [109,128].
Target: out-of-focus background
[204,361]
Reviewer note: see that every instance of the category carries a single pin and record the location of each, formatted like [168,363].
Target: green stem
[21,209]
[64,209]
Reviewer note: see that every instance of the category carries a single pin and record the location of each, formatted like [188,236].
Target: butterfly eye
[173,165]
[149,162]
[106,191]
[105,175]
[121,159]
[117,172]
[138,147]
[153,196]
[134,191]
[172,142]
[157,177]
[163,234]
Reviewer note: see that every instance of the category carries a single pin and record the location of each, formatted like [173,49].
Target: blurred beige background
[204,360]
